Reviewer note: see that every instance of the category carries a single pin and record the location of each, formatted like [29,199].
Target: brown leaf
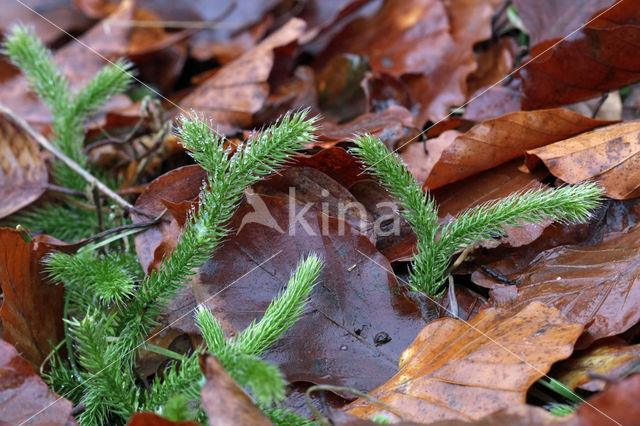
[239,89]
[602,56]
[32,309]
[23,174]
[597,285]
[24,397]
[610,357]
[610,156]
[501,139]
[458,370]
[618,403]
[356,299]
[555,19]
[224,401]
[494,63]
[146,418]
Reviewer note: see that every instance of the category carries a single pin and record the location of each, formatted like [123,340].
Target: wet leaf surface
[618,403]
[451,370]
[25,397]
[356,298]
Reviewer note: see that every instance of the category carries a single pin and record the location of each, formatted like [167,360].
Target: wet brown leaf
[23,174]
[465,371]
[598,285]
[357,297]
[609,156]
[604,55]
[225,402]
[240,88]
[611,357]
[24,397]
[618,403]
[28,325]
[501,139]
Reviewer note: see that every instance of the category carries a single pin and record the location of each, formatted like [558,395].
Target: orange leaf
[458,370]
[32,309]
[610,155]
[501,139]
[23,174]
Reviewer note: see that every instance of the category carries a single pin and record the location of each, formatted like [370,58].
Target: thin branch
[66,160]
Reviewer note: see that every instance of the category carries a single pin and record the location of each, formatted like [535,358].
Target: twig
[108,232]
[66,160]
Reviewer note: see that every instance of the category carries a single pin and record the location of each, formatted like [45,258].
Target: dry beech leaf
[239,89]
[598,285]
[501,139]
[610,357]
[225,402]
[146,418]
[609,156]
[32,309]
[23,174]
[465,371]
[602,56]
[24,396]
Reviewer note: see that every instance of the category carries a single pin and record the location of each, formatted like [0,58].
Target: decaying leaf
[225,402]
[602,56]
[609,156]
[32,309]
[23,174]
[24,397]
[501,139]
[465,371]
[617,404]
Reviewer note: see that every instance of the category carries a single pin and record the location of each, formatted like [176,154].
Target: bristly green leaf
[432,257]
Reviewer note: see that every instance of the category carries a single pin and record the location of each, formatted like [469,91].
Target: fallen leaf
[492,102]
[494,63]
[356,304]
[32,309]
[597,285]
[24,397]
[600,57]
[610,357]
[225,402]
[501,139]
[239,89]
[609,156]
[555,19]
[146,418]
[617,404]
[465,371]
[23,174]
[336,163]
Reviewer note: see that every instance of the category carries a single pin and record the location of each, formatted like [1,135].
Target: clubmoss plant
[114,314]
[70,111]
[438,244]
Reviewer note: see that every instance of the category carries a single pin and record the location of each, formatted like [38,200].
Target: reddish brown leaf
[618,403]
[23,174]
[611,357]
[554,19]
[146,418]
[598,285]
[610,156]
[32,309]
[240,88]
[458,370]
[24,397]
[494,63]
[357,297]
[501,139]
[224,401]
[336,163]
[604,55]
[493,102]
[394,126]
